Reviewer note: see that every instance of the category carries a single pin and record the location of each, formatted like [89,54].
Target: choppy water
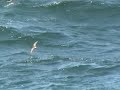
[78,48]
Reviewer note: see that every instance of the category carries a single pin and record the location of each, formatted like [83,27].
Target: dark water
[78,45]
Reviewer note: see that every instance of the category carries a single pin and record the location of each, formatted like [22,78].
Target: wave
[88,69]
[76,68]
[49,3]
[78,10]
[64,3]
[76,3]
[10,35]
[63,10]
[104,70]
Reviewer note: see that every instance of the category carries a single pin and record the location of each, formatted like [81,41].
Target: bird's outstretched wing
[34,45]
[31,50]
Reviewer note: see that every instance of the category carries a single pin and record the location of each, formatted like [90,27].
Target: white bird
[34,46]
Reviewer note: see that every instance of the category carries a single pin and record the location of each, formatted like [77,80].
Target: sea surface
[78,44]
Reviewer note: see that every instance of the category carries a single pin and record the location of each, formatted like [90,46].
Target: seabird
[33,47]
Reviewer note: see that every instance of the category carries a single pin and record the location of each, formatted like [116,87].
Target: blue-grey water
[78,45]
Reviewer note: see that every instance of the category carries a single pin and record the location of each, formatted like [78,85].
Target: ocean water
[78,45]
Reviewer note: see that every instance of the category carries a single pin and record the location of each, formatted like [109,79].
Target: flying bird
[34,46]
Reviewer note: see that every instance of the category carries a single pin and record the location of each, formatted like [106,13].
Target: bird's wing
[31,50]
[34,45]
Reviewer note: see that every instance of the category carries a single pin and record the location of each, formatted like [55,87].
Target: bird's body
[34,46]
